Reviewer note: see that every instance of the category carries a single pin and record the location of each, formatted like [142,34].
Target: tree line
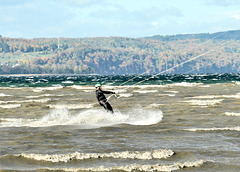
[119,55]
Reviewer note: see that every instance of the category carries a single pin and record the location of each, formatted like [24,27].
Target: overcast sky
[126,18]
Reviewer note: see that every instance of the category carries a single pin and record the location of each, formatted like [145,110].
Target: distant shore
[43,74]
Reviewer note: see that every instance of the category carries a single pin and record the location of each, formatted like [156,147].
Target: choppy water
[168,123]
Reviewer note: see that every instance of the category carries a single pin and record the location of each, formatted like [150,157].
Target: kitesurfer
[102,99]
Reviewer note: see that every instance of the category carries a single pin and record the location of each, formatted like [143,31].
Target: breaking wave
[145,91]
[232,114]
[186,84]
[204,103]
[71,106]
[148,155]
[88,118]
[215,129]
[138,167]
[4,95]
[10,106]
[44,100]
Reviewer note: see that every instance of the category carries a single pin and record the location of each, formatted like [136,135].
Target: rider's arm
[108,92]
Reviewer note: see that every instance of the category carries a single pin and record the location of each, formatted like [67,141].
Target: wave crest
[156,154]
[215,129]
[139,167]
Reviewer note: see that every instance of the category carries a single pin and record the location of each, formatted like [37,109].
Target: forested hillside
[229,35]
[119,55]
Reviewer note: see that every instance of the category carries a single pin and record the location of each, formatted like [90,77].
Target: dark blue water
[114,80]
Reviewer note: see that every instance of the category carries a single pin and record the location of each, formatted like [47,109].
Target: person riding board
[102,100]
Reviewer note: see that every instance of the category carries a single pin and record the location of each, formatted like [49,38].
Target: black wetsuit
[103,100]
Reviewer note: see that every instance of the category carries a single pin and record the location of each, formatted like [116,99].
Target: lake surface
[161,123]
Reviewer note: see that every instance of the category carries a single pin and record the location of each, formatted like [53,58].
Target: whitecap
[40,89]
[118,90]
[186,84]
[125,95]
[80,87]
[67,82]
[10,106]
[237,82]
[204,103]
[145,91]
[137,167]
[4,95]
[236,96]
[147,155]
[71,106]
[175,92]
[12,88]
[205,86]
[170,95]
[48,95]
[3,102]
[44,100]
[232,114]
[15,122]
[139,116]
[215,129]
[154,105]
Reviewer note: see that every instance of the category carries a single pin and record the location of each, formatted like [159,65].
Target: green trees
[4,47]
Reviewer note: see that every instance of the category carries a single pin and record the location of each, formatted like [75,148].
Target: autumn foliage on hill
[119,55]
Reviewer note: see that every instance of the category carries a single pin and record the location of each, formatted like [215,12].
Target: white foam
[232,114]
[236,96]
[138,167]
[237,83]
[204,97]
[15,122]
[83,88]
[45,100]
[125,95]
[10,106]
[80,87]
[215,129]
[71,106]
[154,105]
[12,88]
[141,116]
[204,103]
[93,118]
[48,95]
[186,84]
[175,92]
[34,97]
[170,95]
[148,155]
[120,90]
[205,86]
[67,82]
[40,89]
[3,102]
[4,95]
[145,91]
